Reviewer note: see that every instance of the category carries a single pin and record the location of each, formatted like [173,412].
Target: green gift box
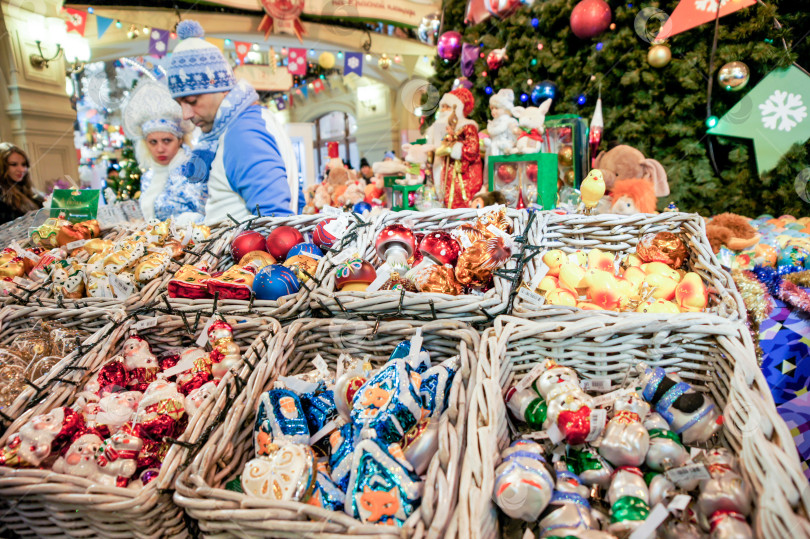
[569,130]
[521,179]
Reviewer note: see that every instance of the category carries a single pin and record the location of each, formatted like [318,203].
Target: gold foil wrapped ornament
[235,283]
[663,247]
[476,264]
[496,218]
[301,263]
[68,280]
[12,267]
[95,246]
[466,235]
[45,234]
[438,279]
[151,266]
[259,259]
[85,230]
[189,282]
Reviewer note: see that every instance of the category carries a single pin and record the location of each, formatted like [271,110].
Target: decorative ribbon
[533,134]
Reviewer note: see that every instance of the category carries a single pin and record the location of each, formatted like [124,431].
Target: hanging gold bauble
[733,76]
[659,56]
[384,62]
[566,155]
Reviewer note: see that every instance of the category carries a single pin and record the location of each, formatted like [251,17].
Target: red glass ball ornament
[441,247]
[449,46]
[507,172]
[395,236]
[322,238]
[494,60]
[590,18]
[281,240]
[246,242]
[531,172]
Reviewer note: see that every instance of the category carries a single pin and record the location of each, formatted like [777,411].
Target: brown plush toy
[731,230]
[625,162]
[483,200]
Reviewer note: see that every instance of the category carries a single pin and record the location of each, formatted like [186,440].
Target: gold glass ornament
[566,156]
[659,56]
[733,76]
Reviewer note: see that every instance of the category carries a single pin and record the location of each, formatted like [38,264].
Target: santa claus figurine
[225,352]
[161,413]
[462,174]
[80,459]
[44,436]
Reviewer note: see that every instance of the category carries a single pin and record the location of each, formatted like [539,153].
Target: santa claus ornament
[462,170]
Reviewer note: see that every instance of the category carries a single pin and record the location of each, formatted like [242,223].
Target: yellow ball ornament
[326,60]
[659,56]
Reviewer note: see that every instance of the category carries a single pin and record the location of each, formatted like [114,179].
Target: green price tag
[75,204]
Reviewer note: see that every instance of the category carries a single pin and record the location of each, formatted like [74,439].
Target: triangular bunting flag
[409,61]
[76,20]
[297,62]
[158,42]
[353,63]
[317,85]
[774,114]
[691,13]
[304,90]
[102,25]
[280,104]
[242,49]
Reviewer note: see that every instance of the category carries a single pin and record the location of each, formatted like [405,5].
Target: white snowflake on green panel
[708,5]
[783,111]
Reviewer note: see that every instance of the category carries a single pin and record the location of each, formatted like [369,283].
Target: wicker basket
[219,258]
[17,230]
[619,234]
[45,503]
[225,513]
[423,306]
[15,319]
[709,352]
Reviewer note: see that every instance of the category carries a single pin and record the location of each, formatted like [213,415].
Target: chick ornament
[592,190]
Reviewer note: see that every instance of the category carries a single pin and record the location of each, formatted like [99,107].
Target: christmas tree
[128,185]
[661,111]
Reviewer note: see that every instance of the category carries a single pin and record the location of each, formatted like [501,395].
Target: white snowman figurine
[523,484]
[666,450]
[626,440]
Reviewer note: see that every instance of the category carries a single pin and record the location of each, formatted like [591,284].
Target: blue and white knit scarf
[198,165]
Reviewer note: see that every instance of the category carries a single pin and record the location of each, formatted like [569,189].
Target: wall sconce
[38,61]
[370,105]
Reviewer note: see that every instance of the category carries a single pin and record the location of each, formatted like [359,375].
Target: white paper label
[313,256]
[321,365]
[75,244]
[531,297]
[527,380]
[151,238]
[690,472]
[203,338]
[572,258]
[331,211]
[486,209]
[542,271]
[647,528]
[341,257]
[694,452]
[382,275]
[679,503]
[464,239]
[598,419]
[498,232]
[30,256]
[596,384]
[296,385]
[121,289]
[16,247]
[607,399]
[185,364]
[554,434]
[338,226]
[23,282]
[146,323]
[541,435]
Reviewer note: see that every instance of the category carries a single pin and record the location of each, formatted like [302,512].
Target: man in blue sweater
[244,153]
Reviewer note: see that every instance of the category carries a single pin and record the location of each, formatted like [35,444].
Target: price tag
[25,283]
[527,380]
[464,239]
[531,297]
[313,256]
[694,452]
[485,210]
[331,211]
[572,258]
[146,323]
[688,473]
[341,257]
[185,364]
[498,232]
[598,419]
[30,256]
[608,398]
[16,247]
[75,244]
[541,272]
[298,386]
[596,384]
[321,365]
[679,503]
[203,338]
[121,289]
[382,276]
[647,528]
[151,238]
[554,434]
[542,435]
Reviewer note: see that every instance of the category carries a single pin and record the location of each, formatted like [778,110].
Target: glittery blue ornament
[793,255]
[308,249]
[326,493]
[342,442]
[403,349]
[361,207]
[436,384]
[275,281]
[389,402]
[383,489]
[279,418]
[542,91]
[319,409]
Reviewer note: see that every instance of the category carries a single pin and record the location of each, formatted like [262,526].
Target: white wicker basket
[709,352]
[619,234]
[417,305]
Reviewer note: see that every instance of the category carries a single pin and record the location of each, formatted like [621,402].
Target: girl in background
[16,195]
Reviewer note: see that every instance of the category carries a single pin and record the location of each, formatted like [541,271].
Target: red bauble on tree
[281,240]
[246,242]
[590,18]
[496,58]
[507,172]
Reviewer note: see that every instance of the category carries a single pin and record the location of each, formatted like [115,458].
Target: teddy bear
[416,157]
[375,191]
[354,193]
[625,162]
[731,230]
[531,122]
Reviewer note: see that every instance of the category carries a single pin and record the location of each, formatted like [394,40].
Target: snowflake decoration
[783,111]
[708,5]
[353,62]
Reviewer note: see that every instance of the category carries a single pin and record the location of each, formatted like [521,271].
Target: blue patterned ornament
[383,488]
[319,409]
[342,442]
[275,281]
[326,493]
[279,419]
[403,350]
[436,384]
[389,402]
[793,255]
[308,249]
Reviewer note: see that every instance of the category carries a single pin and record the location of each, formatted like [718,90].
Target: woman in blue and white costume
[154,122]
